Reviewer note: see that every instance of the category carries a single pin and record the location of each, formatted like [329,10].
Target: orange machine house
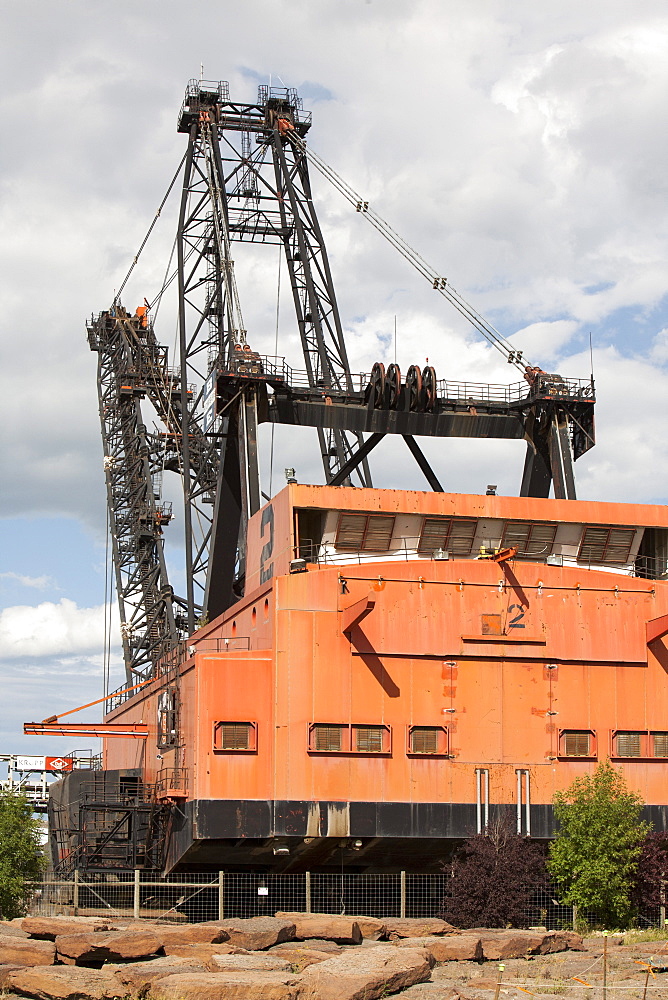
[386,685]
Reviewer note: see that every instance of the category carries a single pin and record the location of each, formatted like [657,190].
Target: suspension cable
[439,283]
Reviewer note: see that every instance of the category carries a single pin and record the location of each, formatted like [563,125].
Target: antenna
[201,72]
[591,358]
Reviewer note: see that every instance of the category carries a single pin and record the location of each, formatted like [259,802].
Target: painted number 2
[516,622]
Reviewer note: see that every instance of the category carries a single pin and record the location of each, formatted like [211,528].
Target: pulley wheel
[393,383]
[414,387]
[429,387]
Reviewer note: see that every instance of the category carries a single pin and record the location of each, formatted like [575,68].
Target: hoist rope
[439,283]
[273,423]
[117,296]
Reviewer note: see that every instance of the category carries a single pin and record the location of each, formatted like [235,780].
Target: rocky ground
[296,956]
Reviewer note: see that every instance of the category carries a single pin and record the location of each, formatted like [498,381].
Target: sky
[519,147]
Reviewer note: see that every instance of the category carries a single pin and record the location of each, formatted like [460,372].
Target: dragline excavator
[245,178]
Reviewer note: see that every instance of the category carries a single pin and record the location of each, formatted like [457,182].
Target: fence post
[75,899]
[575,918]
[662,917]
[402,911]
[221,895]
[136,899]
[308,892]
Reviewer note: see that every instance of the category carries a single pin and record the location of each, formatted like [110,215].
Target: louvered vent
[425,739]
[530,540]
[369,739]
[627,744]
[365,533]
[660,744]
[378,533]
[327,737]
[234,736]
[351,531]
[606,545]
[434,535]
[577,744]
[462,533]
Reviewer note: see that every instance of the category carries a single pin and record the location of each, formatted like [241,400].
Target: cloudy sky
[519,146]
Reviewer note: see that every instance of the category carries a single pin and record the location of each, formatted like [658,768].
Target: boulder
[48,928]
[258,933]
[431,991]
[510,944]
[24,951]
[561,941]
[5,970]
[407,927]
[208,933]
[224,986]
[113,947]
[313,944]
[66,984]
[365,974]
[371,928]
[256,961]
[449,948]
[343,930]
[299,957]
[139,975]
[11,930]
[203,952]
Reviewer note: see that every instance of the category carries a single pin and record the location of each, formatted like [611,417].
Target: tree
[594,857]
[494,875]
[21,857]
[649,885]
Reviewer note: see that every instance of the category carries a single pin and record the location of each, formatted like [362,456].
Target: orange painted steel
[401,643]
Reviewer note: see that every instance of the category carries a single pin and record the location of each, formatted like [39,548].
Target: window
[167,720]
[606,545]
[660,744]
[530,540]
[428,740]
[364,532]
[628,744]
[325,737]
[455,535]
[235,736]
[577,743]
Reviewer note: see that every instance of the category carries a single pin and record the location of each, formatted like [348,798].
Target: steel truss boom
[129,358]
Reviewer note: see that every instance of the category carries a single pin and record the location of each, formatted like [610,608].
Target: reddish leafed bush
[493,878]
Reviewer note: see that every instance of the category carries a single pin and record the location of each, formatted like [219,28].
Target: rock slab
[257,933]
[66,984]
[25,951]
[48,928]
[139,975]
[255,962]
[407,927]
[342,930]
[449,948]
[224,986]
[365,974]
[114,947]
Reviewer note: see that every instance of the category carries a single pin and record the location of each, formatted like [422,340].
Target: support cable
[439,283]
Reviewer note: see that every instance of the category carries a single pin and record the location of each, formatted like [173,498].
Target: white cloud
[53,630]
[35,582]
